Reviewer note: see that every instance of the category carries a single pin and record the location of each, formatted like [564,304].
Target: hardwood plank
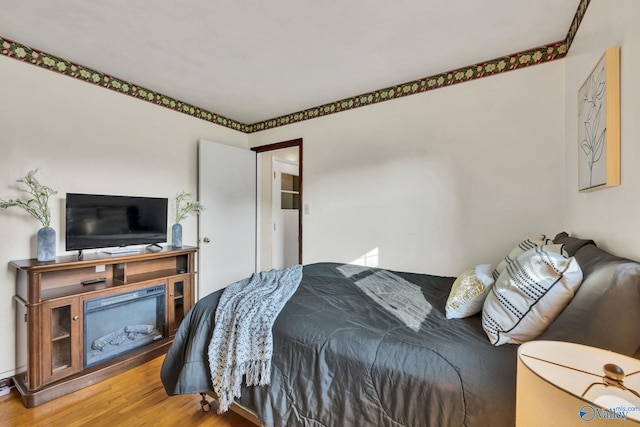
[133,398]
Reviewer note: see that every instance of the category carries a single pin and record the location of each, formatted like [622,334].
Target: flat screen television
[102,221]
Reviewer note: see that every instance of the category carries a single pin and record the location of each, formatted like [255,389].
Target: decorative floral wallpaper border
[577,20]
[488,68]
[503,64]
[41,59]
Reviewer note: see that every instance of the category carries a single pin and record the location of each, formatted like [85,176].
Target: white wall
[436,182]
[610,216]
[84,138]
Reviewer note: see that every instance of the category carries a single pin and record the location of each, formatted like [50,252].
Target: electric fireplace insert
[117,324]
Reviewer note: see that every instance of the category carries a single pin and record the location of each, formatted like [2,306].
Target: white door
[227,226]
[285,205]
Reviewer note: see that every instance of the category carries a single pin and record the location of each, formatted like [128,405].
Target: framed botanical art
[599,125]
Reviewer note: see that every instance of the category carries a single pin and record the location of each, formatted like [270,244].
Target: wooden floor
[133,398]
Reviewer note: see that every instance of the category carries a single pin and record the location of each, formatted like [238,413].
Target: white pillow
[524,246]
[468,292]
[529,295]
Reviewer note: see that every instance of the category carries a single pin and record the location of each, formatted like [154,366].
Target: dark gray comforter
[359,346]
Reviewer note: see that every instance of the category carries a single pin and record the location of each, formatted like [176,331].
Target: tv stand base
[33,398]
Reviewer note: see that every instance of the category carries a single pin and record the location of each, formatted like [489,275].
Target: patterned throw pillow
[529,295]
[524,246]
[468,292]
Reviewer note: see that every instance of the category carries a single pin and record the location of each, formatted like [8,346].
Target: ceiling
[255,60]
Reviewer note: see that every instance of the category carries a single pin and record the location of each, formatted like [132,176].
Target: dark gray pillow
[571,244]
[605,312]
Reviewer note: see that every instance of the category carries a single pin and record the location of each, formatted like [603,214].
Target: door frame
[277,146]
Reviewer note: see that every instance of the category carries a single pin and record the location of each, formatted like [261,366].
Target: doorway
[279,217]
[285,211]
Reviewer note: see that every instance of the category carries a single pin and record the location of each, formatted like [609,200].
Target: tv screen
[101,221]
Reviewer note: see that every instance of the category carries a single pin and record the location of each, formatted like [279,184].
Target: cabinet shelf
[152,275]
[60,368]
[59,332]
[79,288]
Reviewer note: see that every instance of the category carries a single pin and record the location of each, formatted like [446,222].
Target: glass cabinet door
[60,338]
[61,352]
[179,302]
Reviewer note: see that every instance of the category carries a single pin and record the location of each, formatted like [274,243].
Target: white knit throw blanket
[242,341]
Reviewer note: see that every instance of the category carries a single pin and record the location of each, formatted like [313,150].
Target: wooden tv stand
[50,299]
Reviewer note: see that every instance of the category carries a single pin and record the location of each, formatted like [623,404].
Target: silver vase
[46,241]
[176,235]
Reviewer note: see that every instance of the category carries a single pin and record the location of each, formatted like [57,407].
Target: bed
[361,346]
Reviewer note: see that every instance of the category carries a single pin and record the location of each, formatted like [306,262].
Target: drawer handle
[76,317]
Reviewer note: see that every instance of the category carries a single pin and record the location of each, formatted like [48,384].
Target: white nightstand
[563,384]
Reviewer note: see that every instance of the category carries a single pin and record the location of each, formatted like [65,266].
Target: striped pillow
[529,295]
[524,246]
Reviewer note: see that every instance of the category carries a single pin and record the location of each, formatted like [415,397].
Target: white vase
[176,235]
[46,241]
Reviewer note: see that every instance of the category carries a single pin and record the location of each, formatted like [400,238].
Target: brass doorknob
[206,240]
